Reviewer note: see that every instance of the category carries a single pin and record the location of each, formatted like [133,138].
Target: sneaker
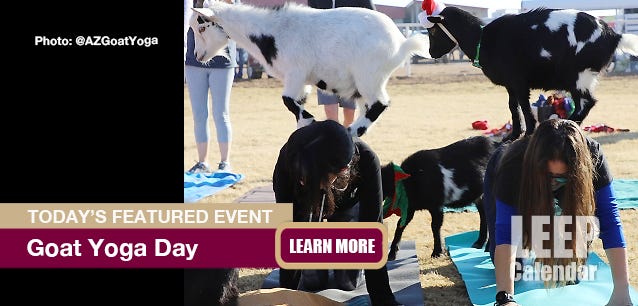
[200,167]
[223,166]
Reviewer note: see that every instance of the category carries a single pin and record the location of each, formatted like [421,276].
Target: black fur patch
[356,95]
[321,85]
[266,44]
[291,106]
[584,26]
[306,115]
[375,111]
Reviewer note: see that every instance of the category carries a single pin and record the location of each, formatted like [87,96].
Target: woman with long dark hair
[327,175]
[557,171]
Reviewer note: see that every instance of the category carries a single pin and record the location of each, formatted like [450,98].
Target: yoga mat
[626,193]
[404,281]
[477,271]
[626,196]
[200,185]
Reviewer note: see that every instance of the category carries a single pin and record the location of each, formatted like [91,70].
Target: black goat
[211,287]
[451,176]
[546,49]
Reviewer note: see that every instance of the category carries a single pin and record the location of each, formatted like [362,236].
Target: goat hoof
[392,257]
[436,254]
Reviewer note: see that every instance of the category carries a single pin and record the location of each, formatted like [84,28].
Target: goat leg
[394,247]
[516,119]
[302,116]
[583,102]
[437,222]
[483,227]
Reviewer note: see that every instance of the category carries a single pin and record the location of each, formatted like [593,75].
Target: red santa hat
[430,8]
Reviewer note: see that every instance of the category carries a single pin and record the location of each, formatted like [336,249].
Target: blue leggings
[219,81]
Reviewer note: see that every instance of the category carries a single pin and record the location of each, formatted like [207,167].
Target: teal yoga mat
[477,271]
[626,193]
[626,196]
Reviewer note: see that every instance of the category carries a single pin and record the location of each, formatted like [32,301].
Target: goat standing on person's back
[547,49]
[348,51]
[451,176]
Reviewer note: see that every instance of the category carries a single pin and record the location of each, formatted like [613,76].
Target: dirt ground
[432,107]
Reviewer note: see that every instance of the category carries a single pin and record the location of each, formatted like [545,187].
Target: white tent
[584,5]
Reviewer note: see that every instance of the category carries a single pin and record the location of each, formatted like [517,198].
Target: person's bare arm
[504,259]
[620,273]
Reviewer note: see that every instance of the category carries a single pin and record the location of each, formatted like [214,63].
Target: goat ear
[205,12]
[435,19]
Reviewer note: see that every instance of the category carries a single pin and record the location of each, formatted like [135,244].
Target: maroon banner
[137,248]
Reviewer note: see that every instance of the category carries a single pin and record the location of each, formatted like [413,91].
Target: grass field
[432,107]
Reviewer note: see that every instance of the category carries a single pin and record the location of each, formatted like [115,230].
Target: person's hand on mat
[620,297]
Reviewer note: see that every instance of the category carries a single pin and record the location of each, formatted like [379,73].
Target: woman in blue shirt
[560,166]
[217,77]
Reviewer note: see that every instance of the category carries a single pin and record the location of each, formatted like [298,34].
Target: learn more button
[331,245]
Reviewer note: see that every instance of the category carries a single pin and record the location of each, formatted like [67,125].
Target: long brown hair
[313,153]
[312,185]
[562,140]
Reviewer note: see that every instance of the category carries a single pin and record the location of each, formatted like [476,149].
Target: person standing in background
[216,76]
[242,60]
[330,101]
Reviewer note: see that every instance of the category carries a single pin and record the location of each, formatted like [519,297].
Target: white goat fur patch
[452,192]
[568,17]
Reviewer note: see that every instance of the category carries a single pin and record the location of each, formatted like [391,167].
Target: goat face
[440,42]
[210,38]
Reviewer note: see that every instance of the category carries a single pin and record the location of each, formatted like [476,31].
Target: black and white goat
[548,49]
[451,176]
[347,51]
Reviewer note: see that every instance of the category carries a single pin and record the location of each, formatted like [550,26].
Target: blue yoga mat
[626,196]
[477,271]
[200,185]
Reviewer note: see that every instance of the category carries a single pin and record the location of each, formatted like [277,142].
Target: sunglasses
[558,179]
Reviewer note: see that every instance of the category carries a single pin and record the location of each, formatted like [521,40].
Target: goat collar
[476,62]
[398,204]
[448,33]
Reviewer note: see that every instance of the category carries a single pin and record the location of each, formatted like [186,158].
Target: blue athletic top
[611,232]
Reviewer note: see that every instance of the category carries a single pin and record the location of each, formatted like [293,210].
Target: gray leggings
[219,81]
